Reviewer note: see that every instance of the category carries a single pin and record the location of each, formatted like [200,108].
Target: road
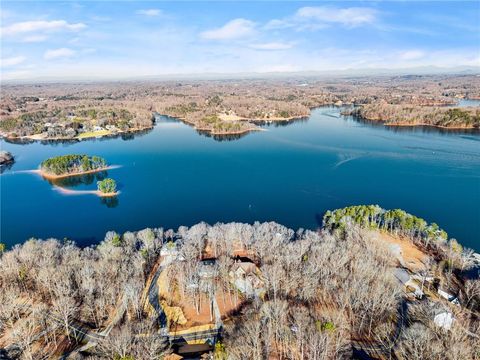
[154,301]
[363,350]
[162,318]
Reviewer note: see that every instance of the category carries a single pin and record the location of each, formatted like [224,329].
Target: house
[410,284]
[242,269]
[246,278]
[449,297]
[207,269]
[444,320]
[170,253]
[169,249]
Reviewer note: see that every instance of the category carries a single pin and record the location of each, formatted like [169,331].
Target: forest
[75,111]
[326,294]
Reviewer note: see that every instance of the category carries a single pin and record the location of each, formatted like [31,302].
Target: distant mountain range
[422,70]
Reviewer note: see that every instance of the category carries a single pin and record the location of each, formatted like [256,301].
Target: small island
[71,165]
[107,188]
[6,158]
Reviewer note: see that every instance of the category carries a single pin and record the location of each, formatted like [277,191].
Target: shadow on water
[270,123]
[6,167]
[227,137]
[110,202]
[86,179]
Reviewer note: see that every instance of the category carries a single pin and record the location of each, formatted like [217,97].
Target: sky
[128,39]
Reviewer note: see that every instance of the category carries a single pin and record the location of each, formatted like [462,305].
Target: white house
[444,320]
[452,298]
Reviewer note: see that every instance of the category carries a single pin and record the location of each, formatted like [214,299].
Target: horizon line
[350,72]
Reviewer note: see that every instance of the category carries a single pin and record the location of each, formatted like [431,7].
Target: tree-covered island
[71,165]
[107,187]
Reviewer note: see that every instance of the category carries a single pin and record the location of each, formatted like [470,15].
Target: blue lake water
[291,174]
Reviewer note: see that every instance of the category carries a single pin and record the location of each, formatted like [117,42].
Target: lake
[291,174]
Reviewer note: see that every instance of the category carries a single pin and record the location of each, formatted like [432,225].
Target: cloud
[234,29]
[149,12]
[319,17]
[351,17]
[412,55]
[34,38]
[58,53]
[272,46]
[40,25]
[12,61]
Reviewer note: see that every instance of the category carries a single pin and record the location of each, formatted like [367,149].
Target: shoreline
[78,138]
[429,125]
[49,176]
[406,124]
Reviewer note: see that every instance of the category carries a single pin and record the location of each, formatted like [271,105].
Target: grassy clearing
[90,134]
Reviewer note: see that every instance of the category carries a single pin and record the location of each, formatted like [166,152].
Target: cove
[291,174]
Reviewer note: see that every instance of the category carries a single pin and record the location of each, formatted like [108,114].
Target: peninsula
[407,115]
